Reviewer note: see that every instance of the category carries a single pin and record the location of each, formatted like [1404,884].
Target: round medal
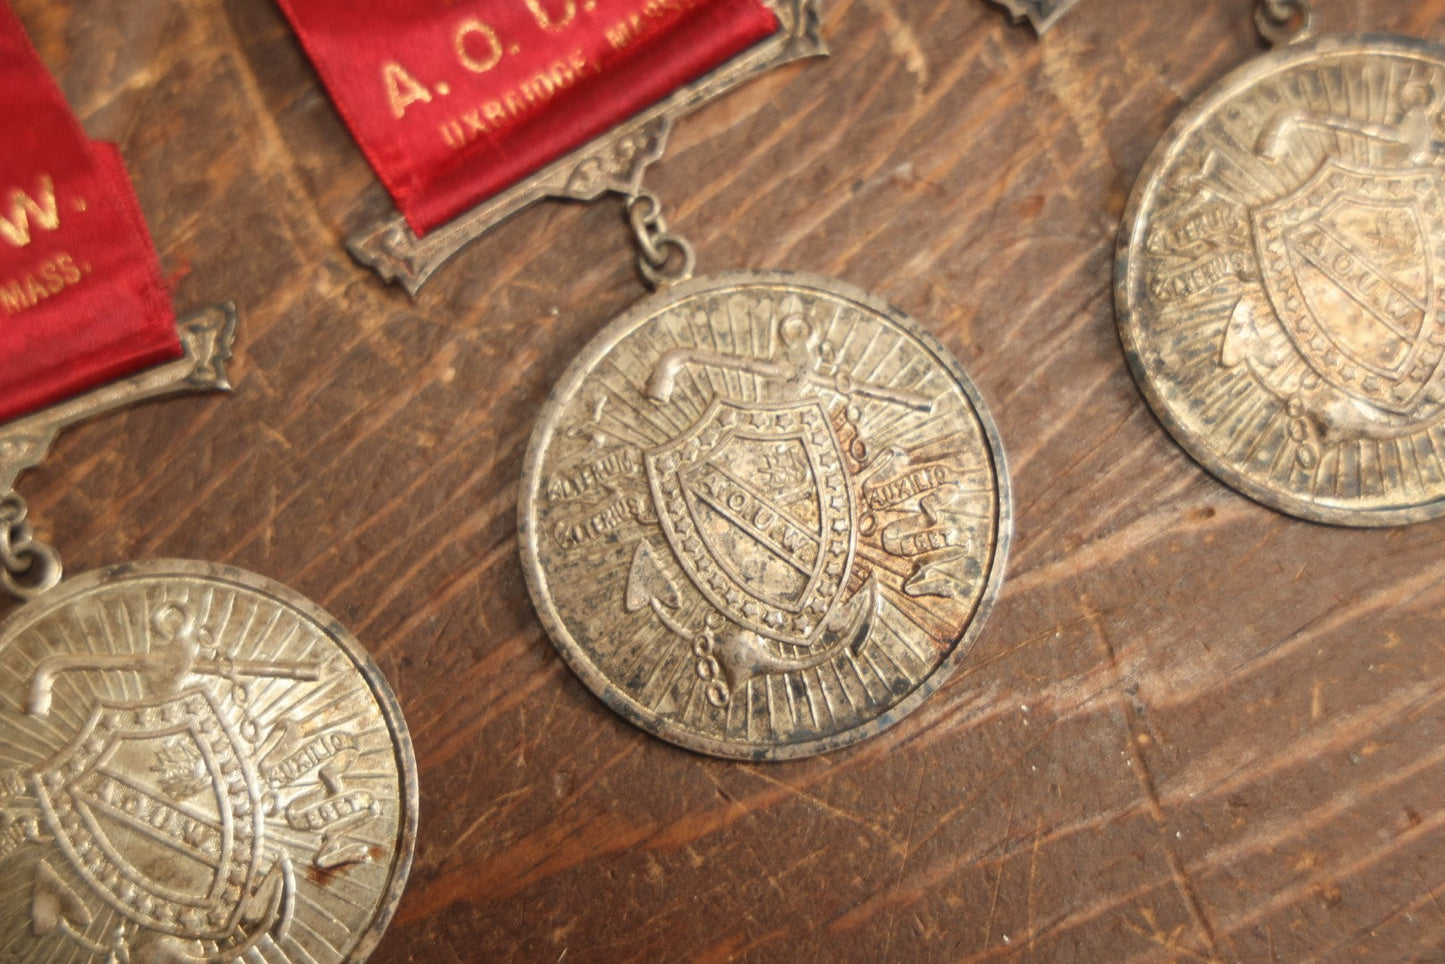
[764,515]
[198,765]
[1281,281]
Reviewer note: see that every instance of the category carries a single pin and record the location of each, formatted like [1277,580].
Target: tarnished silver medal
[764,515]
[1281,276]
[198,764]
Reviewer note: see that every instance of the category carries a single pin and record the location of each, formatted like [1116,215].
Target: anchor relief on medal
[757,530]
[161,814]
[1341,276]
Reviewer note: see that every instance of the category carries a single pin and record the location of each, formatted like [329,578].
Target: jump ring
[41,568]
[655,271]
[1283,22]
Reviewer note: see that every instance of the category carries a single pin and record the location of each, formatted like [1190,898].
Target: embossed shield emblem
[1353,263]
[159,812]
[756,504]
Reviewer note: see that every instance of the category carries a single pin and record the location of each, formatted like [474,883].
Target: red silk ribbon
[454,101]
[81,298]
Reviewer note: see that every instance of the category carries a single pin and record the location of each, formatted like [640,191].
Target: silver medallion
[198,765]
[1281,280]
[764,515]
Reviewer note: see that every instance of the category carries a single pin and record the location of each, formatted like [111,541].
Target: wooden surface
[1193,728]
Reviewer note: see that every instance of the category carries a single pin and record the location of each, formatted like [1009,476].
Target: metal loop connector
[1283,22]
[663,257]
[27,567]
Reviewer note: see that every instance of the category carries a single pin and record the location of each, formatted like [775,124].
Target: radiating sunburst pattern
[197,765]
[762,514]
[1282,284]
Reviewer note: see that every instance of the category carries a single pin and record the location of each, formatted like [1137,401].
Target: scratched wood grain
[1193,730]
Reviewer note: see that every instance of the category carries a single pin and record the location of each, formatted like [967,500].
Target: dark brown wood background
[1193,728]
